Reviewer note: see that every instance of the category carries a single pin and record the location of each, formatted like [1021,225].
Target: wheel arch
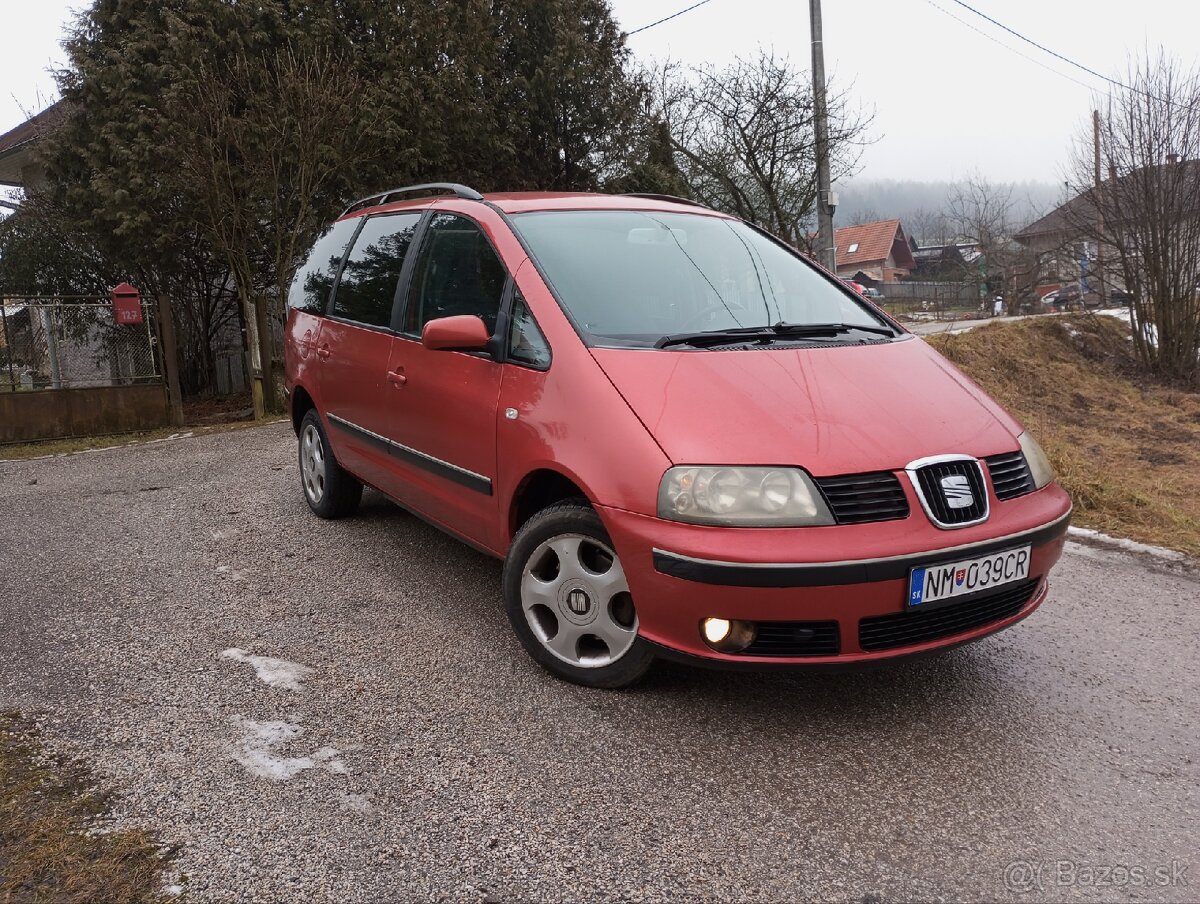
[301,403]
[537,490]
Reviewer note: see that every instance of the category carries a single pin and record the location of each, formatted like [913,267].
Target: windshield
[638,277]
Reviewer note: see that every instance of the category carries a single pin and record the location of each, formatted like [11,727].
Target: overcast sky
[947,100]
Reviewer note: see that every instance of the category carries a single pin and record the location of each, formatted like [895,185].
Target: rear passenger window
[367,285]
[457,273]
[314,277]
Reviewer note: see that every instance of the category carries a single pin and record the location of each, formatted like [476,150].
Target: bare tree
[744,141]
[269,142]
[980,214]
[930,227]
[1144,219]
[864,216]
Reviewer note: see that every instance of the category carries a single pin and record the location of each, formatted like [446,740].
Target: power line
[1010,49]
[1053,53]
[668,18]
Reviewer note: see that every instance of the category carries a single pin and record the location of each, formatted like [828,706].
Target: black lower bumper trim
[736,574]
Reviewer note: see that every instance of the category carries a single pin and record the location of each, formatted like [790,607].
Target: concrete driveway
[338,711]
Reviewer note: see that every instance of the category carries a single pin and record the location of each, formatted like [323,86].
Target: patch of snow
[257,751]
[236,574]
[275,672]
[358,803]
[172,891]
[1125,545]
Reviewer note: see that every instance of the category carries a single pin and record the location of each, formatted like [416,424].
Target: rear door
[308,303]
[445,411]
[355,343]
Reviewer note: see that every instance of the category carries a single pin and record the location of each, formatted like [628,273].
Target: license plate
[935,583]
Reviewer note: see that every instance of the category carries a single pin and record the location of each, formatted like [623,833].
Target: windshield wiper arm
[717,337]
[826,329]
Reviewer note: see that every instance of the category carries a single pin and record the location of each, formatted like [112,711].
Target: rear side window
[457,273]
[367,286]
[314,277]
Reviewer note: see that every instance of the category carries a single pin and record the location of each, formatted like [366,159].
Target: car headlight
[1039,464]
[741,497]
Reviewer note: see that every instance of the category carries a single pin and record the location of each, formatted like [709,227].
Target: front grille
[1010,475]
[883,632]
[859,498]
[801,638]
[957,479]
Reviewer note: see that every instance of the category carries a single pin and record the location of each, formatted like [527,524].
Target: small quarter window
[314,277]
[367,286]
[526,344]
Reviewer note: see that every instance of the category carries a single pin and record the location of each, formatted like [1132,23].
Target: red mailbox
[127,304]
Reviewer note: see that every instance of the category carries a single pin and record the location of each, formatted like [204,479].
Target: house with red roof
[874,252]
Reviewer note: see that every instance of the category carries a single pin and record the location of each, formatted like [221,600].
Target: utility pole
[826,247]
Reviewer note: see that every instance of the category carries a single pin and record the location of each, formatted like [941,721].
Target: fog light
[716,630]
[727,635]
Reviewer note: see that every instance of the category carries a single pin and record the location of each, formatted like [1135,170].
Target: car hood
[835,410]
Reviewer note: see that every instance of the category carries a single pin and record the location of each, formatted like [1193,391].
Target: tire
[330,491]
[567,598]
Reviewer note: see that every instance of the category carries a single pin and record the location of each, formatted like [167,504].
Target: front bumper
[680,574]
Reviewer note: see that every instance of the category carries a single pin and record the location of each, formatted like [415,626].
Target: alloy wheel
[576,599]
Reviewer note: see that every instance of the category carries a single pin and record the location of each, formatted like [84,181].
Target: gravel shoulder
[338,711]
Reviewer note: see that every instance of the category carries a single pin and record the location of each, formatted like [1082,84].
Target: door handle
[397,377]
[323,352]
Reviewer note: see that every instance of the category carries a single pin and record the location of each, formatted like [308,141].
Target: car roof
[525,202]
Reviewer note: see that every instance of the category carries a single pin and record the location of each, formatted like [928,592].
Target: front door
[445,411]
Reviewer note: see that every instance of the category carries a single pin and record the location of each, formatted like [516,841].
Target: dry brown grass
[1126,449]
[50,846]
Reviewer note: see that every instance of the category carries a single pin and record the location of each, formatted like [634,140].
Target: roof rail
[459,191]
[653,197]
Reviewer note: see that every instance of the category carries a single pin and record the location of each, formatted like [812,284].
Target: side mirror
[462,333]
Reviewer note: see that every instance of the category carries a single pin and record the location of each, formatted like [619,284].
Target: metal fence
[74,342]
[937,300]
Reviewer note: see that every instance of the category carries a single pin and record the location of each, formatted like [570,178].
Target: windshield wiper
[826,329]
[718,337]
[767,333]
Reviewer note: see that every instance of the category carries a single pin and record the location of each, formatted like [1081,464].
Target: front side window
[457,273]
[639,278]
[314,277]
[367,286]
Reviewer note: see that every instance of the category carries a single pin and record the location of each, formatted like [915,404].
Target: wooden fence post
[170,359]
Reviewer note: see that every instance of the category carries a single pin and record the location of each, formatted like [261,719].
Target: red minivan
[683,438]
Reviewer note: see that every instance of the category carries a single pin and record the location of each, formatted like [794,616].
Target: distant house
[17,164]
[874,252]
[951,261]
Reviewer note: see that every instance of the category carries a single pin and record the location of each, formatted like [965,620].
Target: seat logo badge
[578,602]
[957,491]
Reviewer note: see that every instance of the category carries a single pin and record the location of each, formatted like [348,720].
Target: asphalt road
[424,756]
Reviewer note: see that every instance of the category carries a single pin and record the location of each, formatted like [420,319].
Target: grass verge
[52,843]
[1126,449]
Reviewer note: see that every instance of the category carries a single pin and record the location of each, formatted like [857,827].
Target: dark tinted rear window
[367,286]
[315,275]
